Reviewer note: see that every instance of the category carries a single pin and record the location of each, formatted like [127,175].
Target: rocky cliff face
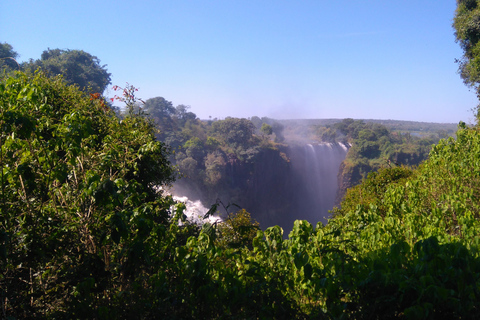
[352,172]
[260,186]
[349,175]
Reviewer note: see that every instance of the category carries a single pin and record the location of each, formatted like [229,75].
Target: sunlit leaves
[78,192]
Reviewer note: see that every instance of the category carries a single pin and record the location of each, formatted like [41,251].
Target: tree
[238,230]
[467,32]
[266,129]
[76,66]
[183,115]
[214,168]
[80,206]
[161,111]
[7,57]
[236,132]
[372,190]
[195,148]
[367,134]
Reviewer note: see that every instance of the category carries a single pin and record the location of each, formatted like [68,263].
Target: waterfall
[195,211]
[275,191]
[315,167]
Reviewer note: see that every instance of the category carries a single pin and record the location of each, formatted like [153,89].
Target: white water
[316,166]
[195,211]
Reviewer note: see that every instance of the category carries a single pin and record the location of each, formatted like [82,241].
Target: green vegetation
[375,146]
[266,129]
[80,214]
[87,233]
[467,32]
[372,190]
[237,231]
[216,159]
[7,58]
[77,67]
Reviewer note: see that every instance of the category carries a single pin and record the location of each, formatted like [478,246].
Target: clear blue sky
[282,59]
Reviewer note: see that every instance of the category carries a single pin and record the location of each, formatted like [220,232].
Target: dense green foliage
[467,32]
[85,232]
[76,66]
[372,190]
[80,212]
[7,58]
[422,237]
[238,230]
[414,255]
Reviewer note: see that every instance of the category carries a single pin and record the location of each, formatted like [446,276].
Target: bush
[80,210]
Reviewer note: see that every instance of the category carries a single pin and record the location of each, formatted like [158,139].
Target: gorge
[297,182]
[290,170]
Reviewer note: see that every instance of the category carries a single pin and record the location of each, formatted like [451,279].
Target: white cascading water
[317,168]
[195,211]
